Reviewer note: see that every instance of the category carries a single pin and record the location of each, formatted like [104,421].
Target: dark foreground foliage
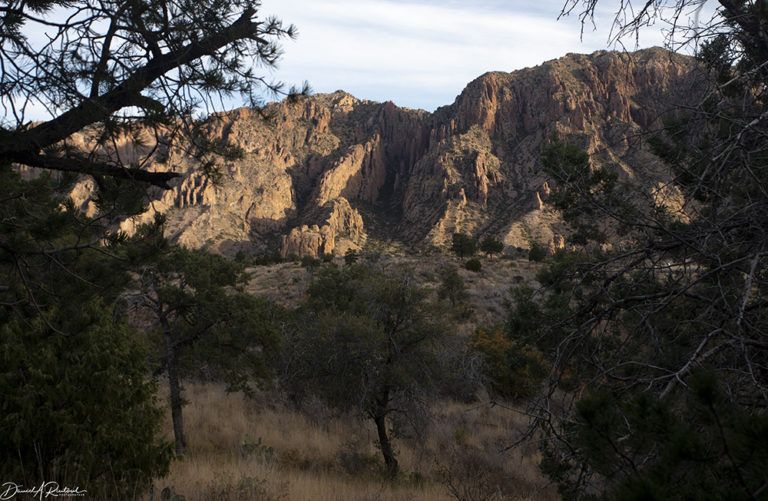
[660,339]
[77,406]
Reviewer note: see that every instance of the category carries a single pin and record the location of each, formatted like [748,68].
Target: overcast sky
[421,54]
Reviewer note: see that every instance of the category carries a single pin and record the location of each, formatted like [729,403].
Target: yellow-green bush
[512,370]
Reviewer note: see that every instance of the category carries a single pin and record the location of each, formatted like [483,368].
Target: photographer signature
[47,489]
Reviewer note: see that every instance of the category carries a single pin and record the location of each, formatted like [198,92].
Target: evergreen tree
[77,405]
[670,315]
[491,246]
[116,72]
[463,245]
[126,67]
[451,285]
[659,340]
[79,409]
[202,318]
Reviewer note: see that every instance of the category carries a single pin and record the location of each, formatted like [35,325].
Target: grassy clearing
[253,449]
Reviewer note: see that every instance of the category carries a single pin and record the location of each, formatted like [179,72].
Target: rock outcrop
[341,228]
[323,174]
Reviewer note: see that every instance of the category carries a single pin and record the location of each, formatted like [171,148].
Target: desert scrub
[473,264]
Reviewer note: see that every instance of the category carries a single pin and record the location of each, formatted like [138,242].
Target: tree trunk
[386,446]
[175,390]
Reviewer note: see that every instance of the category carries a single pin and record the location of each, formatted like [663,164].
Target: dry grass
[284,283]
[244,449]
[262,449]
[287,283]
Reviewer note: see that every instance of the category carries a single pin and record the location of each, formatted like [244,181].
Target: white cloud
[422,54]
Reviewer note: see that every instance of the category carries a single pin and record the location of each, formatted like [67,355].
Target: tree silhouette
[658,341]
[112,73]
[121,66]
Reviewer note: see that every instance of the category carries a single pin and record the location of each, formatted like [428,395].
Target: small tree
[310,263]
[491,246]
[451,285]
[536,253]
[368,343]
[511,369]
[463,245]
[189,295]
[79,409]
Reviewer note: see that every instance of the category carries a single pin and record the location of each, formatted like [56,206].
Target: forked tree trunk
[175,391]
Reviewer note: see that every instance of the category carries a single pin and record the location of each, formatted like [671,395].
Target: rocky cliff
[324,174]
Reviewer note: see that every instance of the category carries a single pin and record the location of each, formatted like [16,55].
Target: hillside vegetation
[551,288]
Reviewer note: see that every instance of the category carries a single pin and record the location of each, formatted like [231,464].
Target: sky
[421,54]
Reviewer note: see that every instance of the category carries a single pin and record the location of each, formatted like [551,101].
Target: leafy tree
[491,246]
[463,245]
[681,294]
[351,257]
[201,320]
[116,72]
[702,446]
[638,322]
[310,263]
[368,343]
[78,409]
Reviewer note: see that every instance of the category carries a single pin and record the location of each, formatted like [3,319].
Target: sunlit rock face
[324,174]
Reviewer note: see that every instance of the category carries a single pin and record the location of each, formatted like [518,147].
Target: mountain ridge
[326,171]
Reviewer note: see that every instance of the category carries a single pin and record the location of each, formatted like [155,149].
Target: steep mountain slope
[322,174]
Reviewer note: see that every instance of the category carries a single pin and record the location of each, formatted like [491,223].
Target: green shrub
[310,262]
[268,259]
[512,370]
[537,253]
[350,257]
[451,285]
[79,409]
[473,264]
